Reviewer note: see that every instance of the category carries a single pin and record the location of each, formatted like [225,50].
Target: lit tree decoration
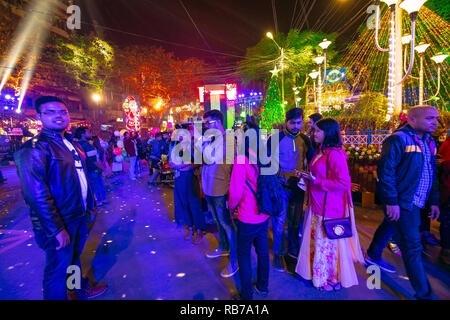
[273,109]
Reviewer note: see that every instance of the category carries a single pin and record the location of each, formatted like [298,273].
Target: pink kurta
[320,259]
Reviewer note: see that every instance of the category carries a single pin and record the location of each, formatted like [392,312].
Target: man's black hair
[158,134]
[294,113]
[214,114]
[316,117]
[80,131]
[46,99]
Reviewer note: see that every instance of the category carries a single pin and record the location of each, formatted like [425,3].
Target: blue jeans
[188,208]
[133,167]
[407,236]
[247,235]
[293,212]
[227,230]
[57,261]
[97,185]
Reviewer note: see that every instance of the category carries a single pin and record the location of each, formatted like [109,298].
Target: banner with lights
[132,118]
[335,76]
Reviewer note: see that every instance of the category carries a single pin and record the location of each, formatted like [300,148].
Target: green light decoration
[273,111]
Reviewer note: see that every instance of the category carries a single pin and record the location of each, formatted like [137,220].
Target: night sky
[228,26]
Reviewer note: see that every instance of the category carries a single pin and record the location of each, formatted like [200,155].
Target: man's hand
[393,212]
[435,212]
[63,239]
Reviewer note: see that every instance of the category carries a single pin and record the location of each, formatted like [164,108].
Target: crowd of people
[310,192]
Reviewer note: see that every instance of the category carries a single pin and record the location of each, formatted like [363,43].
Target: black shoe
[278,263]
[262,293]
[430,239]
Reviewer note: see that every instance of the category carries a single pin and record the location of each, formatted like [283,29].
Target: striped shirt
[426,179]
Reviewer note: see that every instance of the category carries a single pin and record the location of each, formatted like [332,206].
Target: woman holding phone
[328,262]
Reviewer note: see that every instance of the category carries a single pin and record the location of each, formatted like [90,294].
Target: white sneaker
[229,271]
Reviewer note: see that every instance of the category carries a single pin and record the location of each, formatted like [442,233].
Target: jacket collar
[410,130]
[54,135]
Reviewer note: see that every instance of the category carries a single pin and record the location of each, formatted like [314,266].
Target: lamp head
[269,35]
[325,44]
[314,74]
[319,59]
[439,58]
[406,39]
[390,2]
[422,47]
[412,6]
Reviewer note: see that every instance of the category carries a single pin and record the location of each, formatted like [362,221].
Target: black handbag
[336,228]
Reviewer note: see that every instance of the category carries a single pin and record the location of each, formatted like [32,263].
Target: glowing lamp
[406,39]
[325,44]
[422,47]
[319,59]
[269,35]
[8,96]
[412,5]
[96,97]
[390,2]
[439,58]
[314,74]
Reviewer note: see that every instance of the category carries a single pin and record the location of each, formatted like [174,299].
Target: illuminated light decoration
[319,59]
[97,97]
[273,111]
[231,91]
[132,117]
[217,92]
[201,94]
[269,35]
[275,71]
[421,49]
[8,97]
[439,58]
[391,76]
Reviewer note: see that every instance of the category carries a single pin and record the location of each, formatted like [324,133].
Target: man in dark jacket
[129,143]
[294,151]
[52,173]
[407,180]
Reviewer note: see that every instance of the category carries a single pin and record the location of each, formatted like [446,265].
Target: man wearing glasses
[216,174]
[52,173]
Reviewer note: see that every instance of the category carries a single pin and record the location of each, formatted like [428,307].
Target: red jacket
[130,146]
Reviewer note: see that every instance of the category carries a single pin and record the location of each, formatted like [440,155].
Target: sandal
[336,286]
[328,287]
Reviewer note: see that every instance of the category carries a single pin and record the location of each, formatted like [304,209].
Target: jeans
[407,236]
[97,185]
[57,261]
[227,230]
[381,238]
[133,167]
[293,212]
[247,235]
[188,208]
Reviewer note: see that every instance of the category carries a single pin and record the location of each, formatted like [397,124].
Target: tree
[300,49]
[441,7]
[272,111]
[88,59]
[158,77]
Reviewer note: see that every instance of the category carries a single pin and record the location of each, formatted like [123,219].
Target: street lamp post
[438,59]
[324,45]
[319,60]
[420,50]
[314,76]
[395,61]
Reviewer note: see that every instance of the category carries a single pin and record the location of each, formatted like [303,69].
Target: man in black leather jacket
[52,172]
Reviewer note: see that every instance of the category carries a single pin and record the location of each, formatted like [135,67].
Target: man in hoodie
[294,152]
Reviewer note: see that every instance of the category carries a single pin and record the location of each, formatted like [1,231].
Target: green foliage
[272,111]
[441,7]
[88,59]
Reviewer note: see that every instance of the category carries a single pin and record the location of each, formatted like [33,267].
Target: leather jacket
[50,184]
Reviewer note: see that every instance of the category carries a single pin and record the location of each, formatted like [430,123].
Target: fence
[365,137]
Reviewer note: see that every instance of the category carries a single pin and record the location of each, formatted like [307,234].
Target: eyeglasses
[54,112]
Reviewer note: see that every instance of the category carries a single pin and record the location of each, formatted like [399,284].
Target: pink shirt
[337,185]
[240,195]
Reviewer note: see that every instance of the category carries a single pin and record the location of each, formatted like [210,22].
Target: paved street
[137,250]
